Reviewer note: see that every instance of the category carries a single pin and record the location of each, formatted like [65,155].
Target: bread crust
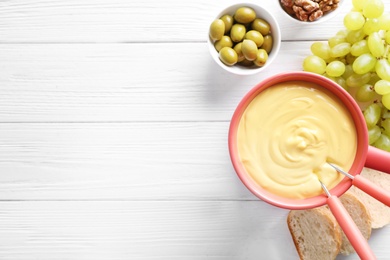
[324,216]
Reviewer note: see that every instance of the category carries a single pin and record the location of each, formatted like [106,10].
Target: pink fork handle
[372,189]
[378,159]
[350,229]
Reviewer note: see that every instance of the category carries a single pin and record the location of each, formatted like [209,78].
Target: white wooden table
[113,134]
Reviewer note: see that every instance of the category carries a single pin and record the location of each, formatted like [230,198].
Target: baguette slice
[360,215]
[315,233]
[380,213]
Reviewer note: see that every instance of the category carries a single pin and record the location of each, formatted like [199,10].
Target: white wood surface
[113,134]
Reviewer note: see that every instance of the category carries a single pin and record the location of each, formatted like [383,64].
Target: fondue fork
[349,227]
[367,186]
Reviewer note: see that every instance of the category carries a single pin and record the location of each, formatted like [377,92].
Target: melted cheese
[287,135]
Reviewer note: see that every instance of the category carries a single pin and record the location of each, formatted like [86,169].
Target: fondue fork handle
[352,232]
[367,186]
[378,159]
[372,189]
[350,229]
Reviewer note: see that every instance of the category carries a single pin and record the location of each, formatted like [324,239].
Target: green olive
[242,38]
[228,20]
[255,36]
[244,15]
[217,29]
[238,50]
[225,41]
[228,56]
[261,58]
[237,32]
[261,25]
[267,44]
[249,49]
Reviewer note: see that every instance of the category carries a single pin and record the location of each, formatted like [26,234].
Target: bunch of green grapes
[358,59]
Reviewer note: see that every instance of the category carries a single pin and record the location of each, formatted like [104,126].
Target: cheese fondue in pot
[289,132]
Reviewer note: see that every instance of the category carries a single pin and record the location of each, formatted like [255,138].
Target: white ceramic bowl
[322,19]
[275,32]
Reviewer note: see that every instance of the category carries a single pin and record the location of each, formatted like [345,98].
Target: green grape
[340,50]
[382,68]
[373,8]
[357,80]
[385,113]
[337,39]
[355,36]
[360,47]
[341,81]
[386,100]
[383,143]
[374,78]
[354,20]
[335,68]
[348,71]
[387,38]
[373,134]
[372,114]
[358,4]
[375,45]
[365,93]
[314,64]
[342,32]
[330,60]
[382,87]
[364,63]
[385,124]
[384,21]
[321,49]
[329,77]
[371,25]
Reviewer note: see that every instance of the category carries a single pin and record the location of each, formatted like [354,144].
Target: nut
[315,15]
[287,6]
[309,10]
[327,5]
[308,6]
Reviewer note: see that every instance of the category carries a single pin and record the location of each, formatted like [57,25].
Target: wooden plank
[124,82]
[151,230]
[137,161]
[118,161]
[127,21]
[143,230]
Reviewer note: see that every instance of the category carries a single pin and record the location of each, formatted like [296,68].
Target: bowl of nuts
[244,39]
[310,11]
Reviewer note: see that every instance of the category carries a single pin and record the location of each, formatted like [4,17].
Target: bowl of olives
[244,39]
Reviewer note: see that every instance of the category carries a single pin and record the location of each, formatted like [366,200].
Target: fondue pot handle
[378,159]
[350,229]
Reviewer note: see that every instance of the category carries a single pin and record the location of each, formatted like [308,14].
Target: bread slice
[380,213]
[315,233]
[360,215]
